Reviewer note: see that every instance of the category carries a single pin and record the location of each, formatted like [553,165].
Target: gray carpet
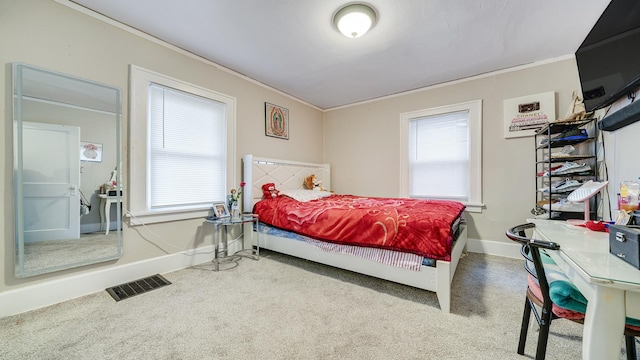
[286,308]
[55,253]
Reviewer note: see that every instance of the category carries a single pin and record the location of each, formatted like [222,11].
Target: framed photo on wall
[90,152]
[220,210]
[526,114]
[276,121]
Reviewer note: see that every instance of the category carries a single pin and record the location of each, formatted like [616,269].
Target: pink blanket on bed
[421,227]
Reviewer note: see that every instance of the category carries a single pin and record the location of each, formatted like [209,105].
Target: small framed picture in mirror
[220,210]
[90,152]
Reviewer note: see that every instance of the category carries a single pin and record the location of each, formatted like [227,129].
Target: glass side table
[222,237]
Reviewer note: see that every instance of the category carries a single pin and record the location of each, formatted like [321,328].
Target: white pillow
[303,195]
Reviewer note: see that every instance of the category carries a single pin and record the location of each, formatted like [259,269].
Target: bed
[432,274]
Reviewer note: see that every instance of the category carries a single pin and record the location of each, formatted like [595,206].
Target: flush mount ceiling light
[354,20]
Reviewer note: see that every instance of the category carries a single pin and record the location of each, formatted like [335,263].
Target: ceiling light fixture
[354,20]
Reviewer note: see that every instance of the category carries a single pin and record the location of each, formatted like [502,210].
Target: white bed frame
[289,175]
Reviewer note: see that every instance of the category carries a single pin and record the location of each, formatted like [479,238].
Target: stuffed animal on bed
[269,191]
[311,182]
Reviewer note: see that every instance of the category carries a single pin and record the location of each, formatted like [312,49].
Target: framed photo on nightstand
[220,210]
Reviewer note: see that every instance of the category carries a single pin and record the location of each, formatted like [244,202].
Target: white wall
[362,141]
[50,35]
[622,149]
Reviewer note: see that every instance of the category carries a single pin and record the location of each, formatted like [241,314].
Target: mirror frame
[19,97]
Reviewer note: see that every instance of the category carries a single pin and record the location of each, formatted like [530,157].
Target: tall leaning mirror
[66,155]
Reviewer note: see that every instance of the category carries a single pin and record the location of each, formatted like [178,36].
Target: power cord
[631,96]
[605,174]
[604,165]
[233,241]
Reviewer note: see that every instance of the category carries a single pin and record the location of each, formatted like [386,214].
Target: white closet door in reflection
[51,178]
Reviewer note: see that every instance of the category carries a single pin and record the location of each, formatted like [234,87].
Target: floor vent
[137,287]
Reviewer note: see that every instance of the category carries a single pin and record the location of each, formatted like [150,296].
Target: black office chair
[534,265]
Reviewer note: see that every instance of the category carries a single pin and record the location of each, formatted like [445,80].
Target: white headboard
[285,174]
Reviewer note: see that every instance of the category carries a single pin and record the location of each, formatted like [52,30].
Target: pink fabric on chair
[634,328]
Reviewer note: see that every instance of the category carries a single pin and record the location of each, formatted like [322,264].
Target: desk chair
[538,295]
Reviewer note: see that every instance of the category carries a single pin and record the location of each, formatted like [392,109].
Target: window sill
[151,218]
[474,208]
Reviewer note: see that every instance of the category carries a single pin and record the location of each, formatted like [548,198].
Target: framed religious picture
[276,121]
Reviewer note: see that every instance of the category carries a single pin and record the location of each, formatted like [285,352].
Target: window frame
[474,107]
[139,82]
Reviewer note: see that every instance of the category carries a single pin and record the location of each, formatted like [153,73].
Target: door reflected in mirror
[67,190]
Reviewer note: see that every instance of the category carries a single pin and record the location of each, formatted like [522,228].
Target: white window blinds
[439,156]
[187,150]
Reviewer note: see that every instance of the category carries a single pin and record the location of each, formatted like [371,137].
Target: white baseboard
[497,248]
[48,293]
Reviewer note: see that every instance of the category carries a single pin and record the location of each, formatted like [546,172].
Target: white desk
[611,286]
[105,210]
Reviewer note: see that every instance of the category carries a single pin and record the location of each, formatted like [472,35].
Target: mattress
[389,257]
[421,227]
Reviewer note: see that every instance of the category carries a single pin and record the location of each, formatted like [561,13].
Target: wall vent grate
[137,287]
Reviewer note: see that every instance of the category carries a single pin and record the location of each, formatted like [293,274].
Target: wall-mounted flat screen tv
[609,58]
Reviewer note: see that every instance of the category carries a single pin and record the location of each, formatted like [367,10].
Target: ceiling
[291,45]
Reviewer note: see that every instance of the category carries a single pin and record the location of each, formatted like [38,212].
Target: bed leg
[444,285]
[445,271]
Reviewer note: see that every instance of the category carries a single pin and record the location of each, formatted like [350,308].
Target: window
[441,154]
[439,144]
[181,139]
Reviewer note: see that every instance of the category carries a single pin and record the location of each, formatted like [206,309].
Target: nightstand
[222,237]
[105,210]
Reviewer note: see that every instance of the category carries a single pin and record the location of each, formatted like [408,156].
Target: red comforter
[421,227]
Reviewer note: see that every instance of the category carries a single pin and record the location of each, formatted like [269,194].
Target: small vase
[235,211]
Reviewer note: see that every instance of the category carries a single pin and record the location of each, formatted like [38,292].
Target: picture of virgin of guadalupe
[277,125]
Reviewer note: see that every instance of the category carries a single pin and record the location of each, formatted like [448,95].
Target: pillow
[305,195]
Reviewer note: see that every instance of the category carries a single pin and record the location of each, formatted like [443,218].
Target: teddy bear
[311,182]
[269,191]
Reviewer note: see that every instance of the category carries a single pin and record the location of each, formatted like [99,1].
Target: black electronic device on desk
[624,242]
